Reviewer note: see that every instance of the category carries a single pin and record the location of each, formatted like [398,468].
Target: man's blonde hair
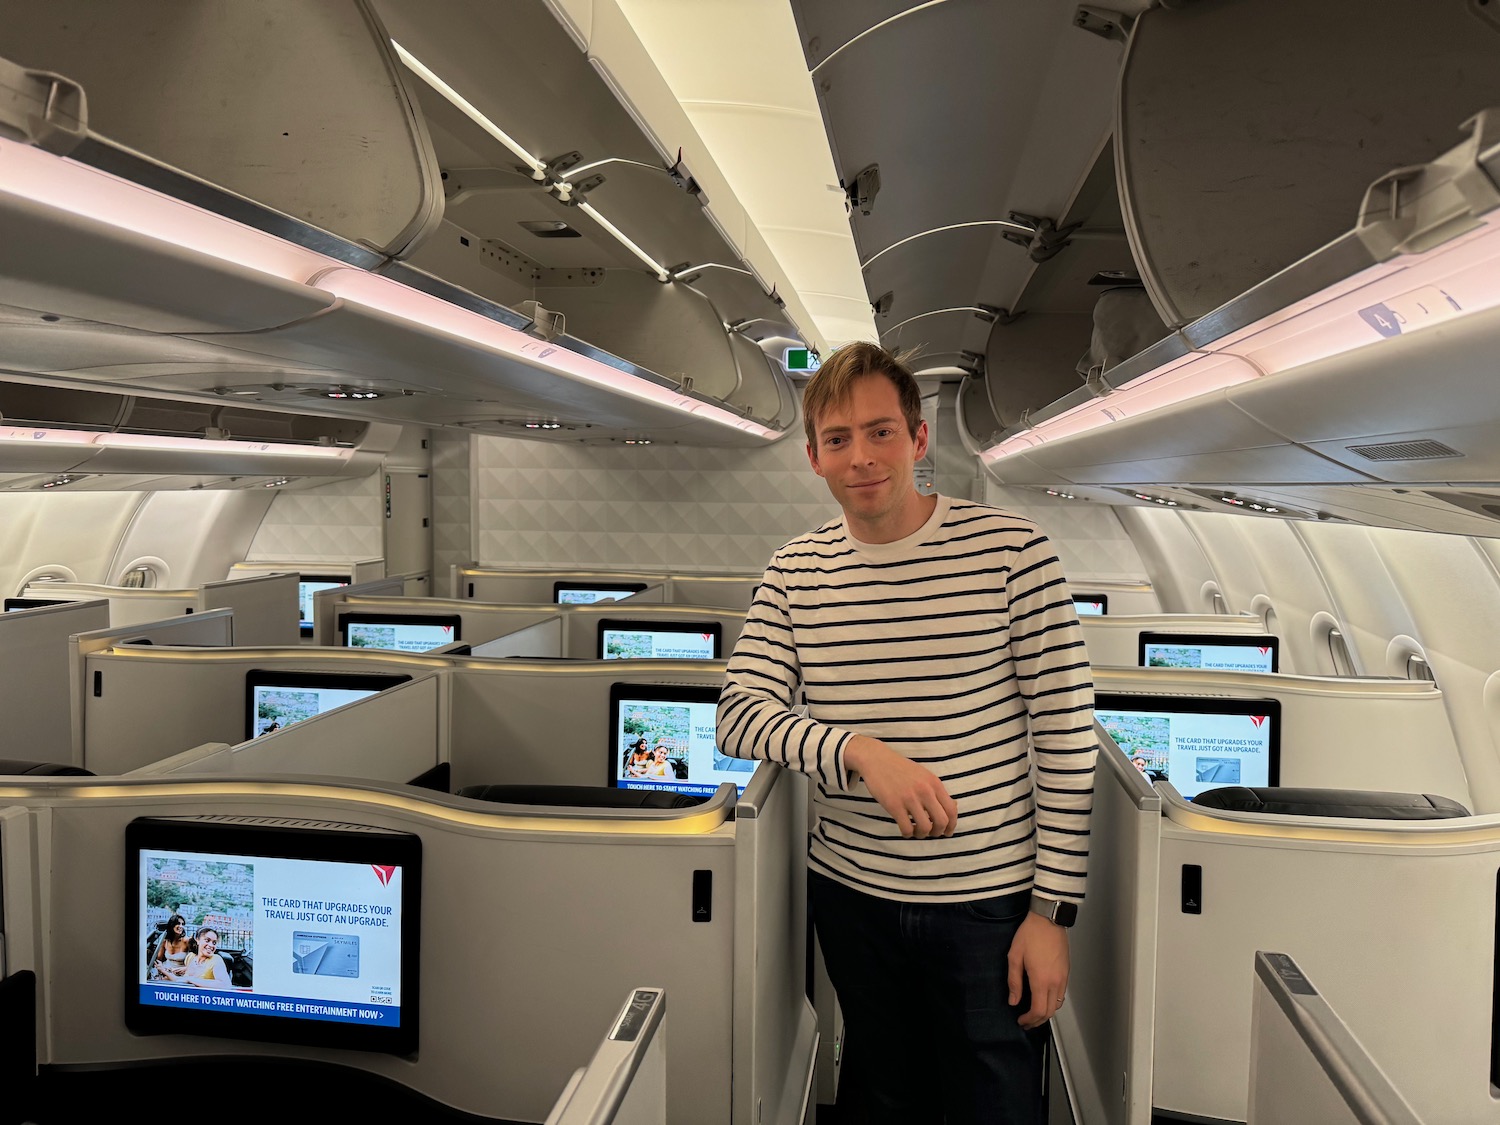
[832,384]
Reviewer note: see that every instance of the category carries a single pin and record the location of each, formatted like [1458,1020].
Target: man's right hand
[908,790]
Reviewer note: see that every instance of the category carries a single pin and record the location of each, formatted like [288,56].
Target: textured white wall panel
[335,521]
[1088,536]
[452,506]
[646,507]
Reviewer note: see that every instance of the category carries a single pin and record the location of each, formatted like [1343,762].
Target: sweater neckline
[885,551]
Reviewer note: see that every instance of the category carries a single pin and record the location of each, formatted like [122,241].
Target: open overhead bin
[202,201]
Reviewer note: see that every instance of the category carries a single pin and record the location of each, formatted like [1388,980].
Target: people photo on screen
[172,951]
[205,967]
[638,758]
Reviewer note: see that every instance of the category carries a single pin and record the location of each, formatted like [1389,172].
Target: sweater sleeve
[757,717]
[1054,679]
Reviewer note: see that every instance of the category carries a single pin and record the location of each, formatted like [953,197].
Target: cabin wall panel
[76,530]
[1173,558]
[191,537]
[659,507]
[1450,588]
[1264,558]
[338,521]
[1089,538]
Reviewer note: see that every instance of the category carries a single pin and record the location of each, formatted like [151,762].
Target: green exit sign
[800,359]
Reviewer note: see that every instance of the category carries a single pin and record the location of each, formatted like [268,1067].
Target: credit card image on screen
[662,737]
[656,640]
[274,700]
[1196,742]
[1221,653]
[587,593]
[307,586]
[399,632]
[278,932]
[1091,605]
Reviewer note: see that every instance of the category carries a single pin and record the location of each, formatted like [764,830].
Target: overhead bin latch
[545,323]
[1412,209]
[40,108]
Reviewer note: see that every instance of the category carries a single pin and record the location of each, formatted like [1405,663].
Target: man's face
[868,459]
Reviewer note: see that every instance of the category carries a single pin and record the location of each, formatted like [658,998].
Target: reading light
[638,441]
[1061,495]
[1164,501]
[277,483]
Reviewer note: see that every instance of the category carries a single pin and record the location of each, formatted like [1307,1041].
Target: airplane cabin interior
[399,403]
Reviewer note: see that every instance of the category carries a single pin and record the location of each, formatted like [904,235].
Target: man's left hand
[1039,955]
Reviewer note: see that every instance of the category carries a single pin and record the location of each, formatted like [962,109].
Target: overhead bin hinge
[882,304]
[1103,22]
[560,164]
[971,363]
[684,179]
[864,188]
[40,108]
[1412,209]
[1096,383]
[1045,238]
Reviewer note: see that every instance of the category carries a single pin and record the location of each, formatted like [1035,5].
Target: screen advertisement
[664,739]
[1091,605]
[645,640]
[581,594]
[274,700]
[266,933]
[1217,653]
[306,588]
[1195,743]
[399,632]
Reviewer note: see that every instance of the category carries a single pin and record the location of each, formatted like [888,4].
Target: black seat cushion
[581,796]
[1362,803]
[57,769]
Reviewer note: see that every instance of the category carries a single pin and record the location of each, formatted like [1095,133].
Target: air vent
[1423,450]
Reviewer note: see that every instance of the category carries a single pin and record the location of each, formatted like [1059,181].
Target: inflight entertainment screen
[1196,742]
[662,737]
[277,932]
[1220,652]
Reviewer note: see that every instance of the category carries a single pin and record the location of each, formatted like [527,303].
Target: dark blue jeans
[929,1036]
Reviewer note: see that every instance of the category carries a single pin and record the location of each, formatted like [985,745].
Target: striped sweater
[949,645]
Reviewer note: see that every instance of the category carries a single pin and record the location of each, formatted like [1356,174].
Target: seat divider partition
[36,682]
[1103,1033]
[775,1026]
[265,607]
[213,628]
[326,601]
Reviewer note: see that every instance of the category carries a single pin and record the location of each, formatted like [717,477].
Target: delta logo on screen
[1258,719]
[384,873]
[1264,649]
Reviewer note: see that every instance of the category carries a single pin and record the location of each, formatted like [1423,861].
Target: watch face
[1065,913]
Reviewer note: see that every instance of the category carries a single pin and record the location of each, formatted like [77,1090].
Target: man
[941,660]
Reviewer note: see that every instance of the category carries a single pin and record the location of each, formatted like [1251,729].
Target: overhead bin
[1243,133]
[240,250]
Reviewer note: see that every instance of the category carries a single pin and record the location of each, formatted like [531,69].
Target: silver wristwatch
[1062,913]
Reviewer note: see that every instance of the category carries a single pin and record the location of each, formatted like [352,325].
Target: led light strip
[1407,294]
[51,181]
[41,435]
[376,292]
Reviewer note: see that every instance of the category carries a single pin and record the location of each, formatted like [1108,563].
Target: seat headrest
[581,796]
[1364,804]
[56,769]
